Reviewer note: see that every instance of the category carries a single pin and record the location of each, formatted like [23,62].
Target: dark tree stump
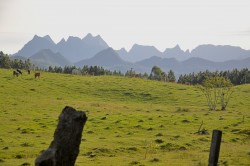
[64,149]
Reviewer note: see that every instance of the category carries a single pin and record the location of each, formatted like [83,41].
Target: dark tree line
[85,70]
[7,63]
[156,73]
[236,77]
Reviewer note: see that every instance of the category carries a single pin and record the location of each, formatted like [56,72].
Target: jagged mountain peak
[48,38]
[177,53]
[62,41]
[138,47]
[94,40]
[36,44]
[89,35]
[177,47]
[36,36]
[97,36]
[73,39]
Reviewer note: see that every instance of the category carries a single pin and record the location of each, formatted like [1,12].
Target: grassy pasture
[131,121]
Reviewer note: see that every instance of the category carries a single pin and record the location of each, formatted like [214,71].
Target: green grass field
[131,121]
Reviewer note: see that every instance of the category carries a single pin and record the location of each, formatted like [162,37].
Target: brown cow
[19,71]
[37,75]
[15,73]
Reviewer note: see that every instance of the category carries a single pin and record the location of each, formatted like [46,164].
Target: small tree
[217,90]
[5,61]
[171,76]
[156,73]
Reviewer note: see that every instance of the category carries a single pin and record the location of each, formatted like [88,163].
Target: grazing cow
[15,73]
[28,71]
[19,71]
[37,75]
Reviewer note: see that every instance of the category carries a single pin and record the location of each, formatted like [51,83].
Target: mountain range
[93,50]
[74,49]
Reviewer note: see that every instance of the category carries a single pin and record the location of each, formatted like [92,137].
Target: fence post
[64,149]
[215,148]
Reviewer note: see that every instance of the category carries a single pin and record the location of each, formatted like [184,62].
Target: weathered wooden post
[64,149]
[215,148]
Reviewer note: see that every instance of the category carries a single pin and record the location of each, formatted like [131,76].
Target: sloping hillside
[131,120]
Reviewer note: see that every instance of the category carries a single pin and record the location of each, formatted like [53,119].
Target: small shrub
[25,164]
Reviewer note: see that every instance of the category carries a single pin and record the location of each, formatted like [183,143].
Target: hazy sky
[121,23]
